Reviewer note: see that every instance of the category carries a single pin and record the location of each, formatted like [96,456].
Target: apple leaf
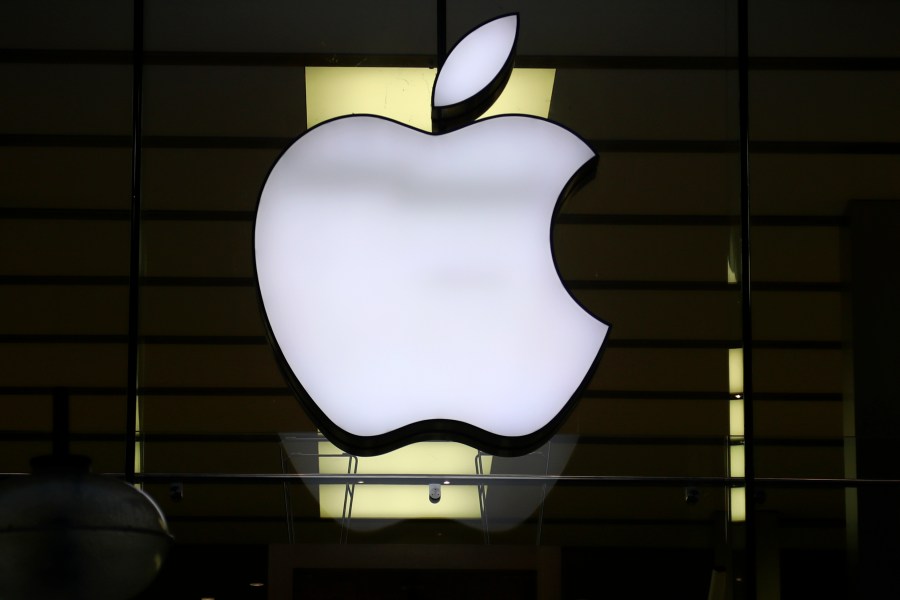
[474,74]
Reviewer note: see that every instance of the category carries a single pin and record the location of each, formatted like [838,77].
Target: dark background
[652,84]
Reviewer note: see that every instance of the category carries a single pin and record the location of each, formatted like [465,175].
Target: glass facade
[643,489]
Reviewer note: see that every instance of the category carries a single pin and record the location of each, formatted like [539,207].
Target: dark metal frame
[134,269]
[750,483]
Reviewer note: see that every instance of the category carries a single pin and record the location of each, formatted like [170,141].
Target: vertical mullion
[746,314]
[135,248]
[441,32]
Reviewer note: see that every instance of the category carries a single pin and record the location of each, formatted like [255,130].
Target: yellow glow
[138,461]
[401,502]
[138,445]
[736,417]
[404,94]
[732,276]
[370,501]
[735,370]
[424,458]
[733,260]
[528,92]
[736,460]
[737,505]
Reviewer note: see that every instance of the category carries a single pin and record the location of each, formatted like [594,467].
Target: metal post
[746,314]
[540,523]
[135,251]
[288,503]
[60,423]
[482,499]
[441,32]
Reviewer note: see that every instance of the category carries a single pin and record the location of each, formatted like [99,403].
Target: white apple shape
[408,280]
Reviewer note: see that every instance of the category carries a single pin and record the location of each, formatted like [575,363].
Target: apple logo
[407,278]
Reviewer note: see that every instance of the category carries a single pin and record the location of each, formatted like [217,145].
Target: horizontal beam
[276,438]
[501,480]
[248,216]
[300,59]
[261,340]
[572,284]
[231,391]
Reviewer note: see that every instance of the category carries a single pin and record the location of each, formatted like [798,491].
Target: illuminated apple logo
[408,279]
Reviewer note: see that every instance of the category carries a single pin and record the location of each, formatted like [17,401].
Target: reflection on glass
[368,505]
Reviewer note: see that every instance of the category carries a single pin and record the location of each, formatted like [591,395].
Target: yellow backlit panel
[404,94]
[404,501]
[737,505]
[736,417]
[528,92]
[736,460]
[735,370]
[401,502]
